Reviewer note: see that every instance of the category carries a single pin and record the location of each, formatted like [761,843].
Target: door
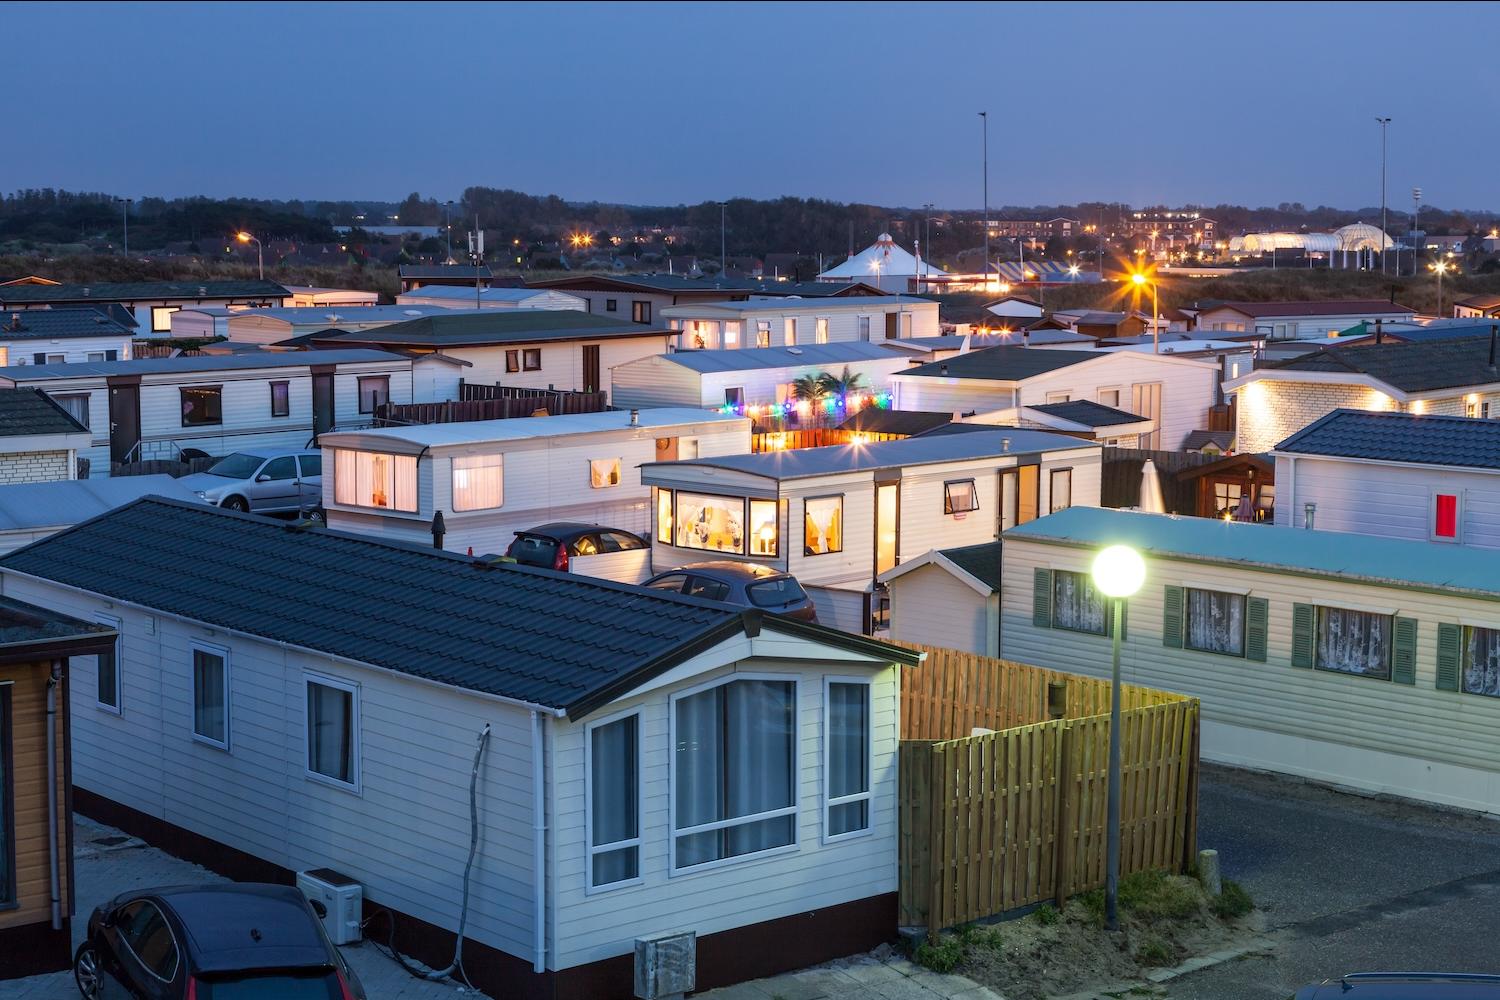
[1028,492]
[666,449]
[1009,479]
[887,525]
[890,326]
[275,486]
[124,418]
[1145,401]
[322,400]
[591,368]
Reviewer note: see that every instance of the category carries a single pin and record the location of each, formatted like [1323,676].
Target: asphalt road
[1347,883]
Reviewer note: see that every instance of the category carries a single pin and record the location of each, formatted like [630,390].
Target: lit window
[846,722]
[202,405]
[375,479]
[710,522]
[791,331]
[823,525]
[478,482]
[1445,517]
[820,331]
[762,333]
[333,730]
[211,695]
[763,527]
[613,779]
[161,318]
[664,516]
[960,497]
[604,473]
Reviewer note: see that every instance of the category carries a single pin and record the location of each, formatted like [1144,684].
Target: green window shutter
[1404,651]
[1041,598]
[1171,617]
[1257,614]
[1450,639]
[1304,631]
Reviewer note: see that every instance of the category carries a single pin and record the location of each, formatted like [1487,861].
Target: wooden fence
[1120,478]
[813,437]
[993,822]
[540,404]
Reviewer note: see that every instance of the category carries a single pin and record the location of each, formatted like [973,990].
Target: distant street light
[1140,279]
[260,251]
[1118,573]
[1440,268]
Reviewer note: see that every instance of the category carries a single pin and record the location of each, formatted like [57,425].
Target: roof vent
[1005,444]
[943,368]
[15,321]
[794,350]
[87,290]
[202,289]
[411,312]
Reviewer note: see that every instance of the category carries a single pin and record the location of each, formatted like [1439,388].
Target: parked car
[1405,986]
[552,545]
[744,584]
[235,941]
[265,482]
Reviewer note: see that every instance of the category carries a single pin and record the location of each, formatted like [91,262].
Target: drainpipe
[538,845]
[52,860]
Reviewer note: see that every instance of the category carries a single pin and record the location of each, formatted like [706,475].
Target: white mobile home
[315,295]
[1430,478]
[1367,662]
[753,378]
[1175,393]
[62,336]
[151,303]
[40,441]
[273,326]
[267,739]
[792,322]
[492,478]
[156,408]
[454,297]
[838,517]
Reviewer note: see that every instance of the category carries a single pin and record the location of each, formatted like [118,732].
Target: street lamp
[1384,124]
[984,116]
[1440,268]
[1118,573]
[1140,279]
[1073,270]
[260,251]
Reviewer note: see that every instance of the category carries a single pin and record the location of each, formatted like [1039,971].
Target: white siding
[73,349]
[1371,734]
[562,362]
[948,395]
[435,381]
[842,316]
[654,381]
[933,607]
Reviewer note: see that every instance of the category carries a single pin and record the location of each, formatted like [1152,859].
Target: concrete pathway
[856,978]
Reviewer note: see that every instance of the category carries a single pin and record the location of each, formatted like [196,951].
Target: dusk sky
[647,104]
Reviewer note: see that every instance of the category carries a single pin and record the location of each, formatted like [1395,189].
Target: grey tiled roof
[982,562]
[1088,413]
[140,291]
[877,420]
[532,635]
[1003,363]
[196,363]
[442,271]
[24,412]
[1197,439]
[1400,437]
[25,624]
[1410,367]
[49,324]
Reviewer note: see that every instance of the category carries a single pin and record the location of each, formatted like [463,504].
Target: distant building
[61,336]
[640,298]
[891,268]
[459,297]
[1037,229]
[1296,320]
[1487,306]
[790,322]
[312,295]
[420,275]
[150,303]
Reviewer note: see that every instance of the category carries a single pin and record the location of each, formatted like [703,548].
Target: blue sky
[644,103]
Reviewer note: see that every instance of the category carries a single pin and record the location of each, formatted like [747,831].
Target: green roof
[493,326]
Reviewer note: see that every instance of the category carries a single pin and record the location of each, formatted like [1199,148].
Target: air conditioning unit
[341,900]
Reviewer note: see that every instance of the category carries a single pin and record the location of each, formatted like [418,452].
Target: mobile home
[151,303]
[792,322]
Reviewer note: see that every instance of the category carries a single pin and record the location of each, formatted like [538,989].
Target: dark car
[234,941]
[1406,986]
[744,584]
[551,545]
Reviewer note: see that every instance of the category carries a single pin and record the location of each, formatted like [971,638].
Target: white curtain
[848,756]
[77,407]
[615,799]
[1215,622]
[345,472]
[1482,662]
[208,695]
[330,731]
[478,482]
[405,474]
[1354,642]
[1075,603]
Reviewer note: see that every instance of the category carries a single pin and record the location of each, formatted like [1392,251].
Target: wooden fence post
[1067,808]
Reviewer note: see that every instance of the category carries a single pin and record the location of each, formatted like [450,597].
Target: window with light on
[375,479]
[478,482]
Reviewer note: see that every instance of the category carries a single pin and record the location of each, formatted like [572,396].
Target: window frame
[359,391]
[286,401]
[110,621]
[1458,517]
[1107,619]
[794,810]
[1244,599]
[182,392]
[868,795]
[9,897]
[454,470]
[638,842]
[611,305]
[512,361]
[1320,617]
[948,506]
[1465,631]
[176,945]
[87,400]
[196,646]
[529,355]
[156,312]
[830,552]
[392,508]
[640,310]
[618,472]
[750,503]
[351,688]
[729,401]
[1067,470]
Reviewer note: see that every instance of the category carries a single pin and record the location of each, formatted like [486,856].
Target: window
[791,331]
[960,496]
[640,311]
[762,333]
[864,328]
[478,482]
[96,356]
[373,391]
[1213,621]
[734,397]
[375,479]
[211,695]
[146,934]
[1059,397]
[1445,514]
[820,331]
[280,469]
[107,682]
[612,776]
[202,405]
[1471,407]
[512,361]
[823,525]
[161,318]
[311,464]
[604,473]
[846,724]
[281,399]
[56,359]
[664,516]
[333,730]
[731,332]
[7,803]
[611,305]
[734,762]
[531,359]
[1061,489]
[709,590]
[764,527]
[1076,605]
[1481,661]
[1354,642]
[710,522]
[77,407]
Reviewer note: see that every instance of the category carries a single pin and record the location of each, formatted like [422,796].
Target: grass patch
[1153,895]
[1046,915]
[1155,950]
[1233,901]
[942,956]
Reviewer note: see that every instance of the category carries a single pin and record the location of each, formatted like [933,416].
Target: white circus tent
[883,263]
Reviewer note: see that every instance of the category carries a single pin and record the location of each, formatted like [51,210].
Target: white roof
[522,428]
[893,262]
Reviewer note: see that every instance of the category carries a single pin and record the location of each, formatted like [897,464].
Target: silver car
[265,482]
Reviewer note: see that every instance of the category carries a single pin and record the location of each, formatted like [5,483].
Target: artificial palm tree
[840,386]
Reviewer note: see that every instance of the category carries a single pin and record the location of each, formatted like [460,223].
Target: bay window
[332,730]
[375,479]
[1354,642]
[823,525]
[612,776]
[710,522]
[478,482]
[846,725]
[734,769]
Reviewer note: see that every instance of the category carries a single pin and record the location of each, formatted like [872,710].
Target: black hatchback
[551,545]
[1406,986]
[233,941]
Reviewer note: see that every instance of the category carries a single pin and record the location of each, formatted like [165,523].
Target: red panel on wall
[1447,516]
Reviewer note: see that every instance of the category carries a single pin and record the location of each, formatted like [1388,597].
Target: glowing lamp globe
[1119,571]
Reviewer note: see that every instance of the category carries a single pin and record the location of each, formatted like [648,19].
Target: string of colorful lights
[804,407]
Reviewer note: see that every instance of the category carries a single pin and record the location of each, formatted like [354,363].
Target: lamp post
[448,225]
[260,251]
[125,223]
[1118,572]
[984,117]
[1140,279]
[1384,122]
[723,239]
[1440,268]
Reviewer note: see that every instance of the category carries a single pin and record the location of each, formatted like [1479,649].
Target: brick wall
[34,467]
